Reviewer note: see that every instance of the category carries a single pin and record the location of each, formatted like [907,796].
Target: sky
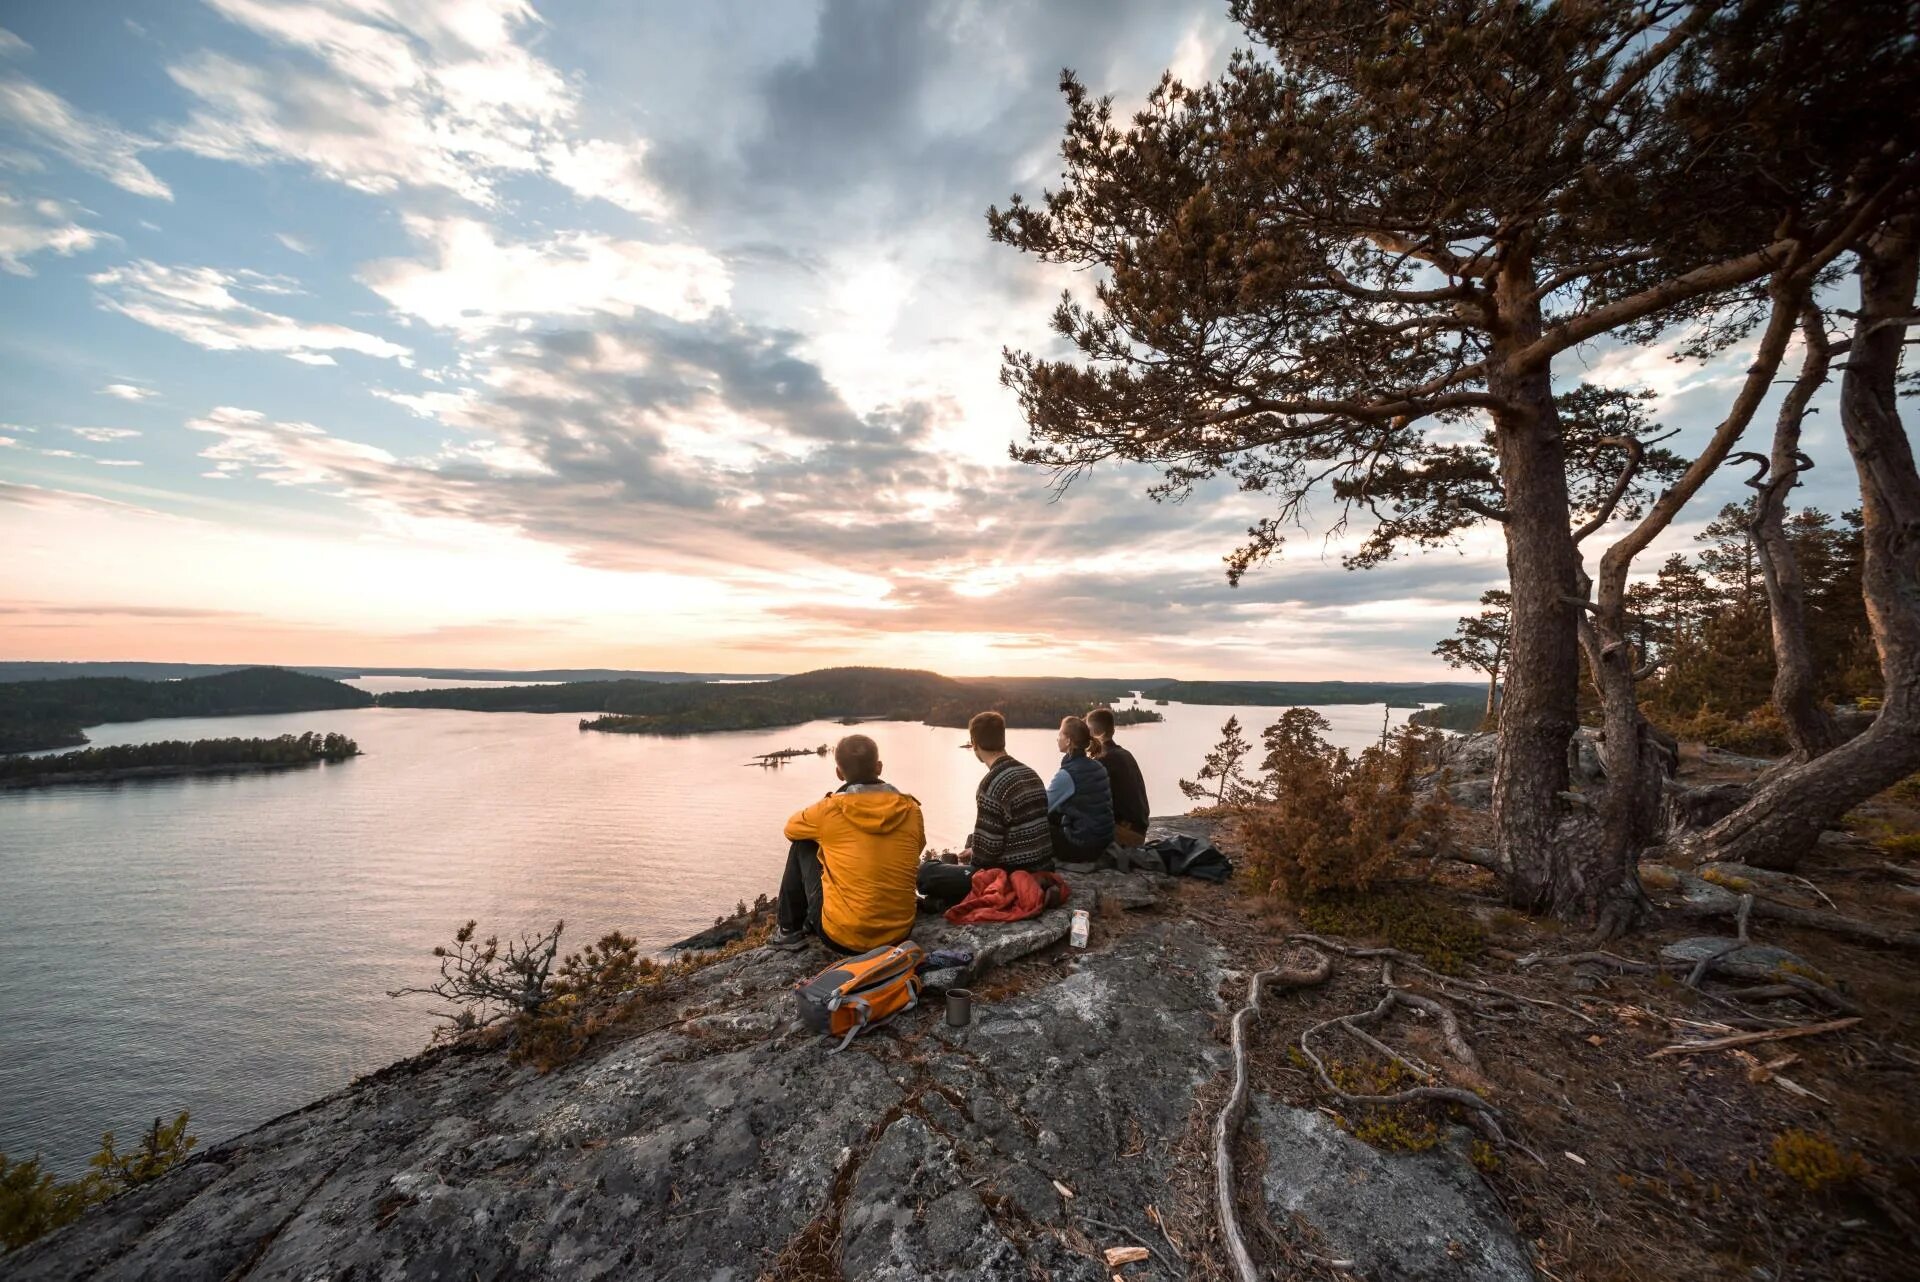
[491,334]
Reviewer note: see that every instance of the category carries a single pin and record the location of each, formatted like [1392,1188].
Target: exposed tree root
[1313,971]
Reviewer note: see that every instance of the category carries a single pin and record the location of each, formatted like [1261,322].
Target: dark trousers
[800,892]
[1069,852]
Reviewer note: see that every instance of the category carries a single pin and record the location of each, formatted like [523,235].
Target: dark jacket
[1010,821]
[1129,787]
[1086,813]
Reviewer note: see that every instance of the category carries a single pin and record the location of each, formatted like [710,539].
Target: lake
[225,944]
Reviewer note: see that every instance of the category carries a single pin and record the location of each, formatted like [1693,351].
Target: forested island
[51,714]
[831,694]
[174,757]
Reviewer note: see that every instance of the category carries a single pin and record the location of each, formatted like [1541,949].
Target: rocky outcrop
[724,1142]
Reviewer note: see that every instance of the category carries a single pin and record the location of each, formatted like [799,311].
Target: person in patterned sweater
[1010,827]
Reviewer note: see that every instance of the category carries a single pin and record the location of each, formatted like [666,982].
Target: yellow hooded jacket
[870,845]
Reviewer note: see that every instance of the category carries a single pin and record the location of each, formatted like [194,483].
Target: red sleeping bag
[999,895]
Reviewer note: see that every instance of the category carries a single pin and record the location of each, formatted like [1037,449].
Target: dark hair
[988,732]
[858,758]
[1078,735]
[1100,721]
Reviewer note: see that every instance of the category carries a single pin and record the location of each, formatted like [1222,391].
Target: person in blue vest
[1079,800]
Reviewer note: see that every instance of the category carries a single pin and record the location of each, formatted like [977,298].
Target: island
[174,757]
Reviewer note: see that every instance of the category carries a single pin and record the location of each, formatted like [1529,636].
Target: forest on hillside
[52,714]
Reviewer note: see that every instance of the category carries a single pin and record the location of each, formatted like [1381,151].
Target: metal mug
[959,1007]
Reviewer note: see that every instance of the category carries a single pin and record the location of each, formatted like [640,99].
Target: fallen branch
[1748,1039]
[1703,899]
[1227,1124]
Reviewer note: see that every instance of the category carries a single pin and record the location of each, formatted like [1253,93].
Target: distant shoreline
[57,779]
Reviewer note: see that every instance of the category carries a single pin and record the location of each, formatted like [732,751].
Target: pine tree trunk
[1795,687]
[1792,807]
[1488,721]
[1538,715]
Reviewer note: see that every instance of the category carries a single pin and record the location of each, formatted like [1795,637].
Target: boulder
[1750,961]
[1413,1217]
[1468,755]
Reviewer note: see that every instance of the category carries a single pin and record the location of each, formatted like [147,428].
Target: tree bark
[1490,720]
[1793,806]
[1795,688]
[1538,714]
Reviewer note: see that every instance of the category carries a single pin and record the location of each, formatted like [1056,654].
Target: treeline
[1290,694]
[51,714]
[1707,623]
[1465,716]
[199,754]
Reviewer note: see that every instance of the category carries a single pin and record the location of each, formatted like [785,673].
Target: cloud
[610,171]
[40,226]
[284,453]
[294,243]
[403,93]
[117,611]
[200,305]
[49,122]
[473,282]
[129,391]
[104,434]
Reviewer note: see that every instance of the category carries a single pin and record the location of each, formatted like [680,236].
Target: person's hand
[966,856]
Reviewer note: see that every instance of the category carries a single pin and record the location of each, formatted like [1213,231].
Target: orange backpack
[858,993]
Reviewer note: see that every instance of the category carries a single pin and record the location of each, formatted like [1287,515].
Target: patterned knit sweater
[1010,830]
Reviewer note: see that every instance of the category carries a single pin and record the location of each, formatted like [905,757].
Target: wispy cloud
[40,226]
[201,305]
[128,392]
[49,122]
[404,95]
[104,434]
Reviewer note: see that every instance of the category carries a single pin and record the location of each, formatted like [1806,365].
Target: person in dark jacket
[1130,809]
[1079,800]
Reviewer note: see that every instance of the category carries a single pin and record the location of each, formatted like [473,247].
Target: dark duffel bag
[943,885]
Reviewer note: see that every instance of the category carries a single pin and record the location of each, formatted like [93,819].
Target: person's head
[1074,735]
[1100,722]
[856,759]
[987,735]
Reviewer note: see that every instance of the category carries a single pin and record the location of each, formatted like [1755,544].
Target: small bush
[33,1203]
[1813,1161]
[1325,822]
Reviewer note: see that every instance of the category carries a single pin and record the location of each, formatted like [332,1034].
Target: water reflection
[225,944]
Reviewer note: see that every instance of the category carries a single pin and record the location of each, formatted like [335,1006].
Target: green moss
[1813,1161]
[1446,939]
[1484,1156]
[1904,846]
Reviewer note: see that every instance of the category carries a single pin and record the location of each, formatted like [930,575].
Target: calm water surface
[225,944]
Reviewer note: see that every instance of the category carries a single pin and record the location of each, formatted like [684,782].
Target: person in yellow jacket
[854,861]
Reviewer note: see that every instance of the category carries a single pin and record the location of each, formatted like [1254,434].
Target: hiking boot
[788,940]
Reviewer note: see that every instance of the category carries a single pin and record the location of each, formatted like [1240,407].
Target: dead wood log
[1748,1039]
